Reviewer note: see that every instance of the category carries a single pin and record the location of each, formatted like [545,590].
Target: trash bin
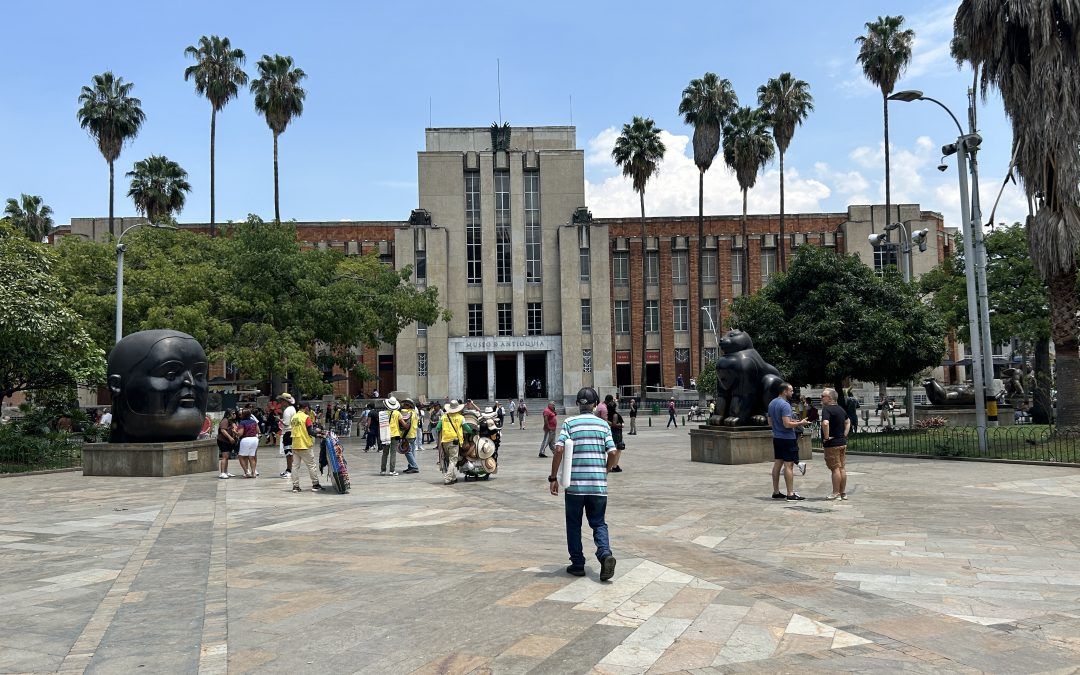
[655,408]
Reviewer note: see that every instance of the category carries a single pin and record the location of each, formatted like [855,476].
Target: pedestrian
[451,439]
[835,427]
[522,411]
[286,431]
[551,425]
[500,414]
[602,409]
[851,404]
[249,443]
[592,455]
[513,409]
[679,381]
[300,425]
[375,393]
[671,413]
[226,439]
[633,417]
[106,418]
[408,422]
[389,447]
[372,422]
[785,443]
[615,420]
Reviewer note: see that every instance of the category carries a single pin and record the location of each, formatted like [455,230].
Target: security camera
[878,239]
[919,238]
[942,167]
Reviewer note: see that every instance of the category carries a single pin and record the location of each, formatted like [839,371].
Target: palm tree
[705,105]
[158,187]
[748,147]
[639,150]
[112,117]
[218,76]
[884,53]
[279,98]
[30,215]
[1029,52]
[787,102]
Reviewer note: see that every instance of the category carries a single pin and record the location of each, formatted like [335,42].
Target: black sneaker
[316,488]
[607,568]
[575,571]
[616,469]
[795,497]
[541,455]
[778,495]
[296,488]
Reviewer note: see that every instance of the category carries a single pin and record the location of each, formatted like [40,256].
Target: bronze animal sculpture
[745,383]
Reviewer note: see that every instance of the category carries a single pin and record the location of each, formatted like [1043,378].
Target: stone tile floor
[931,566]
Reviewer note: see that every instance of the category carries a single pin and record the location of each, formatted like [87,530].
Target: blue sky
[373,68]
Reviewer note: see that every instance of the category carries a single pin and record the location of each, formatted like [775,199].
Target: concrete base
[962,416]
[742,445]
[157,460]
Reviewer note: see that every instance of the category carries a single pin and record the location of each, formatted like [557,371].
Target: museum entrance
[536,384]
[506,376]
[476,377]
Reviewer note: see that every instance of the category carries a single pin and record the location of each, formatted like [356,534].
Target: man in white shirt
[286,435]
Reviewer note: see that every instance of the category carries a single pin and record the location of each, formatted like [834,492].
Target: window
[533,271]
[652,316]
[679,267]
[536,319]
[620,268]
[710,315]
[711,354]
[680,310]
[421,364]
[768,264]
[708,267]
[736,271]
[583,260]
[586,316]
[473,237]
[652,268]
[884,256]
[476,319]
[503,263]
[505,311]
[682,355]
[421,329]
[622,316]
[420,246]
[586,360]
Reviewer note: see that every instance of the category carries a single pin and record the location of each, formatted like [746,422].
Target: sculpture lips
[187,401]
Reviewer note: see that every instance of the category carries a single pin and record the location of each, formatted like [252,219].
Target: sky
[379,73]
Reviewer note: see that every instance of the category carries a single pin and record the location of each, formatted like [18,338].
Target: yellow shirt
[451,428]
[301,439]
[395,424]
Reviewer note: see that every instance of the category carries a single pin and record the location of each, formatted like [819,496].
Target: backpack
[405,422]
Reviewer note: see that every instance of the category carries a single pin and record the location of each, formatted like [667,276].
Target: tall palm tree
[1030,52]
[279,98]
[639,151]
[158,187]
[112,116]
[787,102]
[218,74]
[884,53]
[748,147]
[30,215]
[705,105]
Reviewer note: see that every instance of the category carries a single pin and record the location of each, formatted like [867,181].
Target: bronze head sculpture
[158,384]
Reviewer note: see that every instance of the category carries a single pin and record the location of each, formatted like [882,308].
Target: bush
[20,451]
[931,423]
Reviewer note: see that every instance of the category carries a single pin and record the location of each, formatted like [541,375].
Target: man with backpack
[407,421]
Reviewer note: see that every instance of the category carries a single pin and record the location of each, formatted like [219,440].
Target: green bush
[20,451]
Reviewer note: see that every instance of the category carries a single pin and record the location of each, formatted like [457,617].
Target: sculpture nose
[188,378]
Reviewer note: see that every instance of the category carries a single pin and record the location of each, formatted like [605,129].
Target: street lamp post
[712,325]
[120,248]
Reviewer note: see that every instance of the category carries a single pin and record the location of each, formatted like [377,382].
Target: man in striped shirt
[592,456]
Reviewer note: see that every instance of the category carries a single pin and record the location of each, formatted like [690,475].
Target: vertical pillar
[491,376]
[521,374]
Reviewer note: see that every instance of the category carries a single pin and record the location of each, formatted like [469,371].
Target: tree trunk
[1064,305]
[745,249]
[888,184]
[213,130]
[112,190]
[277,202]
[700,281]
[783,232]
[644,313]
[1041,404]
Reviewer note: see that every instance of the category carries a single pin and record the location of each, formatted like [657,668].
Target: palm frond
[278,94]
[159,187]
[638,151]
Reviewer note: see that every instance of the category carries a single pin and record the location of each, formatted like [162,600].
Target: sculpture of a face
[159,388]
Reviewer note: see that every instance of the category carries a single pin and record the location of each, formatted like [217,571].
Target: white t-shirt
[106,419]
[286,418]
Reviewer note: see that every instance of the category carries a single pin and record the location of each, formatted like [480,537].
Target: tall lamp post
[712,325]
[120,248]
[965,148]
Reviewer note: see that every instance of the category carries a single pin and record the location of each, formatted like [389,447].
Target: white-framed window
[652,316]
[652,268]
[680,312]
[505,315]
[533,267]
[768,265]
[536,318]
[708,267]
[736,271]
[421,329]
[679,267]
[585,263]
[473,231]
[586,360]
[586,315]
[421,364]
[885,256]
[622,316]
[476,319]
[620,268]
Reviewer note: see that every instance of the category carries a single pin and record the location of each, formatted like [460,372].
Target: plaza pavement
[931,566]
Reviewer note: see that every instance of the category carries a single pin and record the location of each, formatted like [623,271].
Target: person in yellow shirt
[300,425]
[389,450]
[451,438]
[409,416]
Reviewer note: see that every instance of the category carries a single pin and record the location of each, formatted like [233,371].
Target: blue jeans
[595,506]
[410,456]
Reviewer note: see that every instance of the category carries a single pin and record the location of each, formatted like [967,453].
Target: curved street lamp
[120,248]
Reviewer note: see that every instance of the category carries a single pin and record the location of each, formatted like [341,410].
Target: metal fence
[1036,443]
[35,453]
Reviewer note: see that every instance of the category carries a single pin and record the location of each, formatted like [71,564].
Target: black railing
[1031,442]
[41,453]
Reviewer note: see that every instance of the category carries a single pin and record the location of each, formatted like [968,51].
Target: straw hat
[286,396]
[454,406]
[485,448]
[407,403]
[392,403]
[489,465]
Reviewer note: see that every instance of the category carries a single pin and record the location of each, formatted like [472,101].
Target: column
[491,375]
[521,374]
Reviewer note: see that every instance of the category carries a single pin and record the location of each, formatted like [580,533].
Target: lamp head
[943,167]
[907,96]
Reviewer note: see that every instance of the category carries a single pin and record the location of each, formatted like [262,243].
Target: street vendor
[451,438]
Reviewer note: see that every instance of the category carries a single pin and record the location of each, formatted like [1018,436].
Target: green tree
[158,188]
[639,151]
[219,74]
[748,147]
[112,117]
[30,215]
[279,98]
[43,344]
[884,54]
[1030,53]
[705,105]
[830,317]
[787,102]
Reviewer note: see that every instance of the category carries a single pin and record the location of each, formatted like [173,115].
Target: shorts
[786,449]
[286,443]
[248,446]
[224,448]
[834,457]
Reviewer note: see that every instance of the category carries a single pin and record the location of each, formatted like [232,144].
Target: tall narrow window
[586,316]
[884,257]
[680,312]
[506,318]
[421,329]
[420,243]
[503,273]
[586,360]
[736,271]
[652,316]
[768,265]
[679,267]
[421,364]
[536,318]
[708,267]
[533,270]
[652,268]
[622,316]
[620,268]
[473,237]
[476,319]
[583,252]
[710,317]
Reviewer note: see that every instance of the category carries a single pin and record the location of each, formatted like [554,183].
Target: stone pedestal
[962,415]
[739,445]
[157,460]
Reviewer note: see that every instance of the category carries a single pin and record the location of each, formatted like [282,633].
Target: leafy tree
[112,117]
[705,105]
[830,317]
[219,74]
[1030,52]
[30,215]
[279,98]
[43,344]
[884,54]
[787,102]
[158,187]
[748,147]
[639,151]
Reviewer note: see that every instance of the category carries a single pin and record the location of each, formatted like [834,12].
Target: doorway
[652,375]
[476,377]
[536,384]
[506,376]
[624,375]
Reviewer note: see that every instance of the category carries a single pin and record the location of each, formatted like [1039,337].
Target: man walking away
[372,421]
[593,455]
[835,427]
[785,443]
[551,424]
[409,436]
[286,432]
[301,447]
[615,420]
[852,404]
[671,413]
[633,417]
[389,450]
